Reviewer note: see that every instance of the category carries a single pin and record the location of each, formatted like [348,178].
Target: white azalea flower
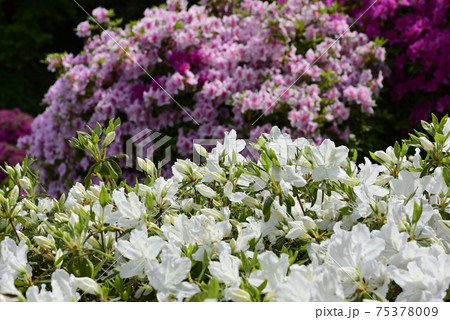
[247,231]
[349,251]
[141,251]
[272,269]
[164,192]
[327,160]
[406,184]
[402,216]
[227,270]
[13,258]
[300,227]
[288,174]
[230,149]
[129,211]
[64,289]
[233,196]
[8,290]
[310,283]
[167,278]
[426,279]
[201,230]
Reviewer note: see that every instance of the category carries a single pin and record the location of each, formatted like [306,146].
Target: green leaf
[245,265]
[417,211]
[86,268]
[213,288]
[293,258]
[113,169]
[265,160]
[345,211]
[397,150]
[87,180]
[98,267]
[104,197]
[355,156]
[405,148]
[439,138]
[374,157]
[149,201]
[435,120]
[267,207]
[427,127]
[262,286]
[446,175]
[98,130]
[23,221]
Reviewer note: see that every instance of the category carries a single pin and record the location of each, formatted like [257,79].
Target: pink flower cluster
[13,125]
[282,64]
[418,36]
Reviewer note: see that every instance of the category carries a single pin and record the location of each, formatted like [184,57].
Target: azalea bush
[232,66]
[13,125]
[302,222]
[417,39]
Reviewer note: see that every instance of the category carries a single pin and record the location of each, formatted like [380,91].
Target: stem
[103,241]
[14,228]
[301,205]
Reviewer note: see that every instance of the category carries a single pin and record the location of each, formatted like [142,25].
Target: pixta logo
[146,144]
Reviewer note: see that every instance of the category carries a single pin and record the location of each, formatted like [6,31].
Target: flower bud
[168,219]
[61,217]
[197,175]
[94,243]
[25,184]
[303,162]
[237,295]
[88,285]
[17,210]
[228,189]
[13,196]
[382,179]
[59,254]
[187,204]
[218,177]
[309,223]
[18,169]
[212,213]
[10,170]
[182,167]
[147,165]
[384,156]
[109,139]
[23,237]
[426,144]
[350,181]
[251,202]
[30,205]
[46,243]
[2,201]
[74,219]
[201,150]
[206,191]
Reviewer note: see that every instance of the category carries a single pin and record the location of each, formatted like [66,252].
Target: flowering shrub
[301,223]
[418,44]
[13,125]
[227,66]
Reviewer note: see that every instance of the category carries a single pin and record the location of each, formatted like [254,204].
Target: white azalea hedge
[303,223]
